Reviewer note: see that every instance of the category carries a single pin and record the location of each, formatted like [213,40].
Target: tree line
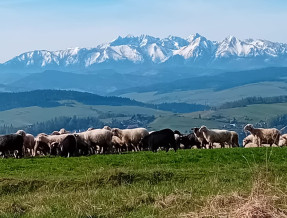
[253,100]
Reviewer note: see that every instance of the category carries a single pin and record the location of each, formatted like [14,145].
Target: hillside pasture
[187,183]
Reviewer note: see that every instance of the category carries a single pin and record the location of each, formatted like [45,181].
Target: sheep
[234,139]
[47,139]
[97,137]
[251,145]
[283,140]
[55,133]
[131,137]
[67,147]
[216,135]
[118,144]
[29,142]
[271,136]
[63,131]
[248,139]
[107,128]
[200,137]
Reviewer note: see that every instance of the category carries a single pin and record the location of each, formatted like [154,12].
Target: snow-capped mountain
[195,50]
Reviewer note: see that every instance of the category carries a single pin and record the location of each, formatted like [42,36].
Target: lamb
[251,145]
[97,137]
[216,135]
[29,142]
[247,140]
[131,137]
[270,136]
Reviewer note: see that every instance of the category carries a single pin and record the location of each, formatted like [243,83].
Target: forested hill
[53,98]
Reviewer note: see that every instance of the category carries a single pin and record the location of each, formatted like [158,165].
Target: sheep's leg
[210,145]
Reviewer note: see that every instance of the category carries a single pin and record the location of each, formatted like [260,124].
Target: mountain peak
[194,37]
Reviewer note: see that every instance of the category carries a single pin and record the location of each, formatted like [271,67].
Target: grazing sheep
[234,139]
[47,139]
[83,148]
[200,137]
[216,135]
[66,148]
[98,137]
[29,142]
[12,143]
[118,144]
[188,141]
[131,137]
[270,136]
[163,138]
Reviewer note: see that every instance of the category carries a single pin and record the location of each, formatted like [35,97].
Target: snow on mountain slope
[146,49]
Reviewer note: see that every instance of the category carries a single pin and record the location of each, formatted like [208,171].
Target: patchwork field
[189,183]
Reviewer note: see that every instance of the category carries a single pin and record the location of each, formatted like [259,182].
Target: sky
[28,25]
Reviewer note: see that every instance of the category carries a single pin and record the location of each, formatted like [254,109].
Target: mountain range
[130,52]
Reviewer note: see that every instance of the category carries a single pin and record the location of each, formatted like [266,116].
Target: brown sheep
[270,136]
[131,137]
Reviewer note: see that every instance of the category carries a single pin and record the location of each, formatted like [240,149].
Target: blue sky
[58,24]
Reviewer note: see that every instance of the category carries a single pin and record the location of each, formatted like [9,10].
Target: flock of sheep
[114,140]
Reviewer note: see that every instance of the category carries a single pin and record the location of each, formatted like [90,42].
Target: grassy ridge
[134,184]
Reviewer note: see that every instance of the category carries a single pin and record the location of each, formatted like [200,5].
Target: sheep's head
[202,129]
[21,132]
[246,141]
[107,128]
[63,131]
[116,132]
[248,127]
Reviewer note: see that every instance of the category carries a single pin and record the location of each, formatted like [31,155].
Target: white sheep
[268,136]
[48,140]
[216,135]
[131,137]
[97,137]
